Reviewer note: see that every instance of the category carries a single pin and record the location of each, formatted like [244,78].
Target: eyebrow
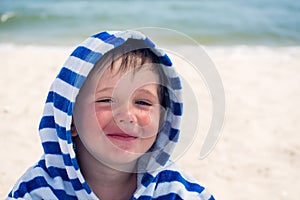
[147,92]
[105,89]
[139,90]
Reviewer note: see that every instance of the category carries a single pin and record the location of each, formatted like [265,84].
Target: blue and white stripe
[57,174]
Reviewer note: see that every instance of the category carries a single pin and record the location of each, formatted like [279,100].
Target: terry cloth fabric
[57,174]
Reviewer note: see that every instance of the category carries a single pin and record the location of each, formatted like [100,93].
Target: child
[110,123]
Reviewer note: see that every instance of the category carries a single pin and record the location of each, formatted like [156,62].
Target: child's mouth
[121,136]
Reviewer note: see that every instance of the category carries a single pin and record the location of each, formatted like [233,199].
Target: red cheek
[144,118]
[103,117]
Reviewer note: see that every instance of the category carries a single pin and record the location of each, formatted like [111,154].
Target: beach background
[255,46]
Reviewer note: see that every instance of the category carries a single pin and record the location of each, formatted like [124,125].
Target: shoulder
[36,183]
[28,184]
[173,183]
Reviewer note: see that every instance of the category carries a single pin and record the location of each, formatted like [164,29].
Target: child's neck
[112,184]
[106,182]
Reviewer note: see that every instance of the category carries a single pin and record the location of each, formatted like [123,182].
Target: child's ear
[74,132]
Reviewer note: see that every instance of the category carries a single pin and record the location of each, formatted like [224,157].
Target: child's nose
[125,114]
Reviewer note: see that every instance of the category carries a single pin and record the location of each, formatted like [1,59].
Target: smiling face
[117,115]
[127,109]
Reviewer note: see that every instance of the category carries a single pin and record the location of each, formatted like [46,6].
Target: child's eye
[106,100]
[143,103]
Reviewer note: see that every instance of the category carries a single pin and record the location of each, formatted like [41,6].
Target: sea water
[209,22]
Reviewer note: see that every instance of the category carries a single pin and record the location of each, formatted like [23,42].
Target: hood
[55,127]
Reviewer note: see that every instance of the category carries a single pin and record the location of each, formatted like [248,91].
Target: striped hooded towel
[57,175]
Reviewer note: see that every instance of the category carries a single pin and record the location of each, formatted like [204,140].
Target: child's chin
[121,160]
[127,149]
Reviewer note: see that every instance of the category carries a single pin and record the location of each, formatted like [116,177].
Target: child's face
[126,115]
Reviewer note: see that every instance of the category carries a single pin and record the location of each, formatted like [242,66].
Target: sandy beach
[256,157]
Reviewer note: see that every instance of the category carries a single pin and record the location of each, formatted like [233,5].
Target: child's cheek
[144,119]
[104,116]
[148,119]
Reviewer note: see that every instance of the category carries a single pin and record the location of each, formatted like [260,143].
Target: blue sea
[209,22]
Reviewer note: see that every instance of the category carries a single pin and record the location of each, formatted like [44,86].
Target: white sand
[257,157]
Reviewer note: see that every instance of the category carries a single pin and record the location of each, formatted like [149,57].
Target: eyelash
[143,103]
[138,102]
[108,100]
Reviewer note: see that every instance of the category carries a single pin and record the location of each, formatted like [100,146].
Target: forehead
[128,80]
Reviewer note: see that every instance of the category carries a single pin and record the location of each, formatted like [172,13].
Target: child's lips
[121,136]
